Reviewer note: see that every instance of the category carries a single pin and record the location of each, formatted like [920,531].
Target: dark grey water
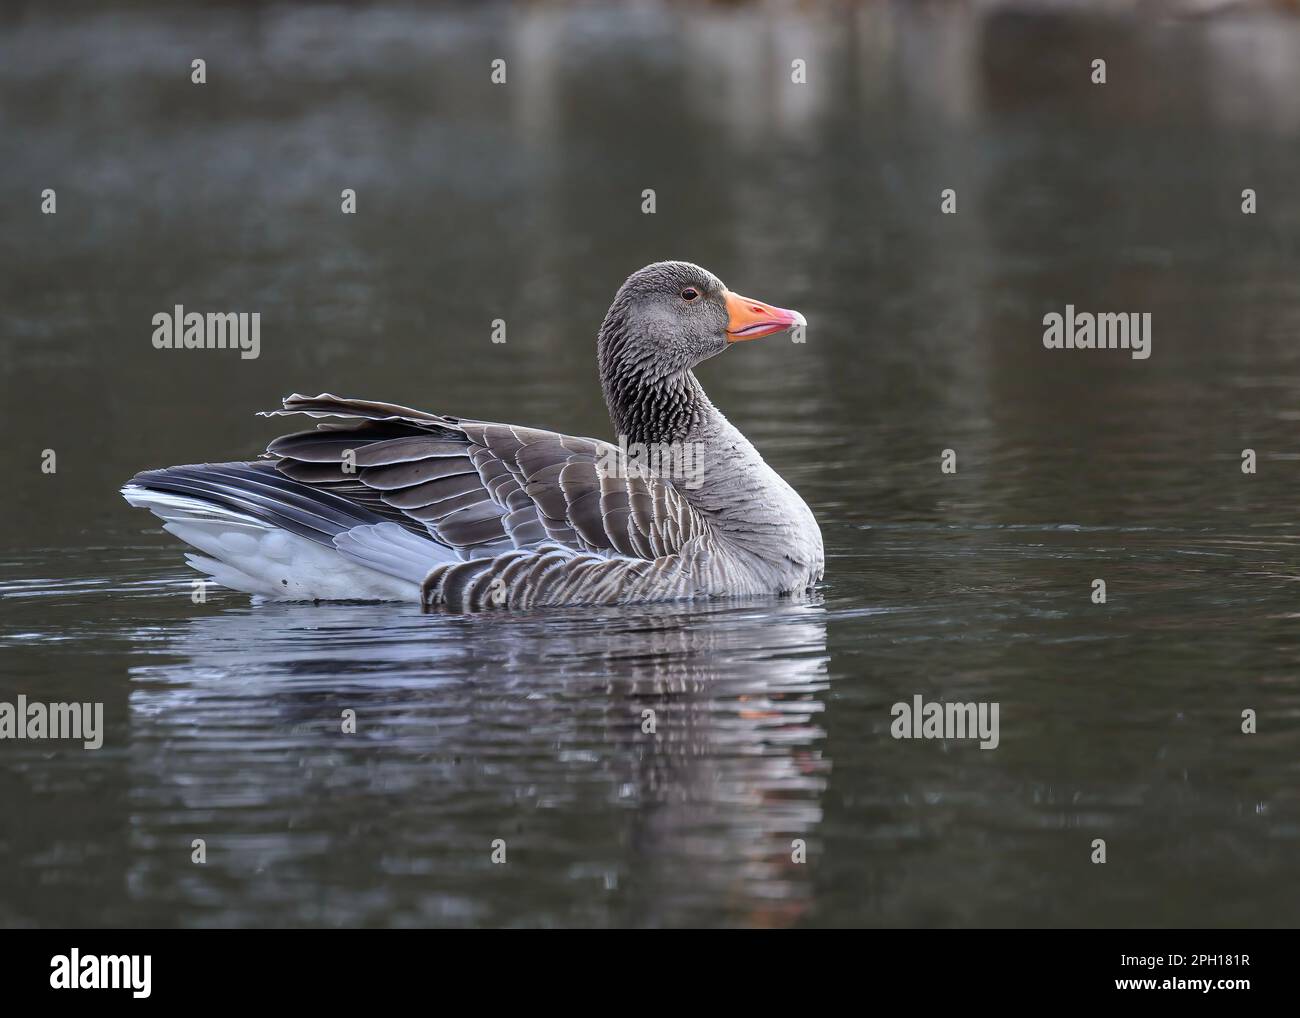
[1118,721]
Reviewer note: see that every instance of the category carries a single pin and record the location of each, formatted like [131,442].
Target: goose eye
[690,293]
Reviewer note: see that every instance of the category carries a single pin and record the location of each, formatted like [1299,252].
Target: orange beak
[749,319]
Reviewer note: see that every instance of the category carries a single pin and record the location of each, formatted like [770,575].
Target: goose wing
[482,489]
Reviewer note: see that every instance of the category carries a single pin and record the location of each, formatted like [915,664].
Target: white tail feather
[381,562]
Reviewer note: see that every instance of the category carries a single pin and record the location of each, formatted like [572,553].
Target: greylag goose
[381,502]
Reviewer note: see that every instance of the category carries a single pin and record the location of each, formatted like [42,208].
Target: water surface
[1118,721]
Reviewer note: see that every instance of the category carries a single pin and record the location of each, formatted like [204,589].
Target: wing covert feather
[488,489]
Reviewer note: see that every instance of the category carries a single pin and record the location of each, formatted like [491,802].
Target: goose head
[667,318]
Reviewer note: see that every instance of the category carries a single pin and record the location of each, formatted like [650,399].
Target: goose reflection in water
[469,729]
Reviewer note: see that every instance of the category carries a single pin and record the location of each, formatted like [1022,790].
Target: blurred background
[523,201]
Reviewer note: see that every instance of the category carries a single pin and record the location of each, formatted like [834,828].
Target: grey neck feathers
[648,401]
[745,500]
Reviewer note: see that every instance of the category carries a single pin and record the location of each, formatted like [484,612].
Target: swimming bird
[382,502]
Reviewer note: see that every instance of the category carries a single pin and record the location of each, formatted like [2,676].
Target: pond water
[1118,721]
